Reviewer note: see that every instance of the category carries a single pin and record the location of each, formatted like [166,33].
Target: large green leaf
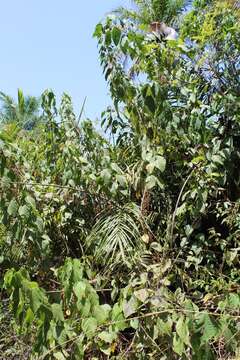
[182,330]
[57,312]
[89,327]
[116,35]
[178,345]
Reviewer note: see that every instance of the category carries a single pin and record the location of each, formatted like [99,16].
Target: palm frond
[117,236]
[147,11]
[32,105]
[8,108]
[24,112]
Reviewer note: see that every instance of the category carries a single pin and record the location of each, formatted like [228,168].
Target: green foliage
[126,245]
[71,319]
[71,324]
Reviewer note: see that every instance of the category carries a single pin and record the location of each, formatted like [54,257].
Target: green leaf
[234,301]
[98,30]
[106,175]
[108,38]
[12,207]
[160,163]
[182,330]
[36,298]
[121,179]
[21,102]
[181,209]
[117,316]
[116,168]
[23,211]
[151,181]
[101,313]
[178,345]
[106,349]
[59,356]
[40,224]
[28,318]
[217,159]
[134,324]
[116,35]
[231,256]
[150,102]
[116,311]
[89,326]
[85,308]
[57,312]
[77,271]
[30,200]
[80,290]
[209,329]
[107,337]
[165,327]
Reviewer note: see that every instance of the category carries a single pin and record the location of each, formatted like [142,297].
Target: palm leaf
[147,11]
[116,237]
[24,112]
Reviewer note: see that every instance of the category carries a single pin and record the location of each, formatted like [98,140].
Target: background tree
[24,113]
[146,11]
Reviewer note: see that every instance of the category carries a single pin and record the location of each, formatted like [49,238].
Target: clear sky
[49,44]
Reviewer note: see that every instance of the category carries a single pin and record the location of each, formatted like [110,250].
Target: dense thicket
[126,246]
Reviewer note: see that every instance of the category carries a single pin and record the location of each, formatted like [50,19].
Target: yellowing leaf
[207,297]
[141,295]
[145,238]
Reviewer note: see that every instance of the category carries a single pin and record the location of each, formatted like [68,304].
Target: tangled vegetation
[126,246]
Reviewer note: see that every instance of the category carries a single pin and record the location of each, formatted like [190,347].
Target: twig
[129,347]
[153,341]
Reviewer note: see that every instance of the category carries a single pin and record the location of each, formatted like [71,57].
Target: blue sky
[49,44]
